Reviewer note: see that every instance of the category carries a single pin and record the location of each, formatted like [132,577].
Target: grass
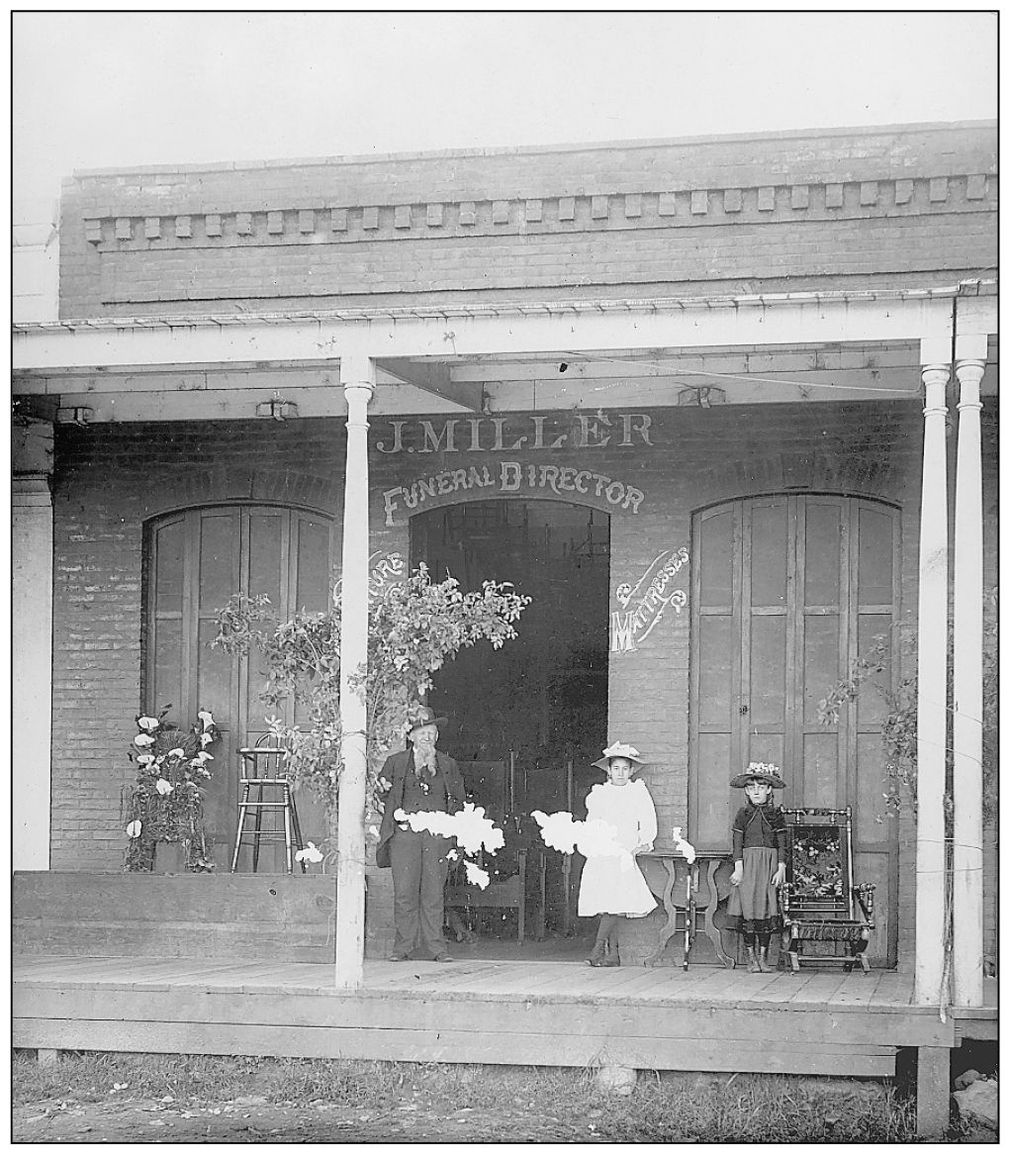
[664,1107]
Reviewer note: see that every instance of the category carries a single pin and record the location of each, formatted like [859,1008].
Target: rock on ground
[615,1079]
[980,1102]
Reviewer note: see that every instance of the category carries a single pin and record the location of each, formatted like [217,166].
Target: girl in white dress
[625,817]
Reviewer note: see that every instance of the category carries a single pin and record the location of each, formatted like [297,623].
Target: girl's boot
[612,958]
[752,963]
[598,954]
[763,958]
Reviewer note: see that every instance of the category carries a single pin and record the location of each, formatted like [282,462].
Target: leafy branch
[899,729]
[414,627]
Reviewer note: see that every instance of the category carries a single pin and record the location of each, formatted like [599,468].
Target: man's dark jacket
[395,771]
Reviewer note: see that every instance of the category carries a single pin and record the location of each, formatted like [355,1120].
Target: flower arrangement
[762,768]
[166,803]
[469,828]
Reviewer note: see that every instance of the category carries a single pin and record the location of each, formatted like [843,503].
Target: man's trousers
[419,865]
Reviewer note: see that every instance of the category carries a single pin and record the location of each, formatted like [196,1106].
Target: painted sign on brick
[385,570]
[507,477]
[643,603]
[596,429]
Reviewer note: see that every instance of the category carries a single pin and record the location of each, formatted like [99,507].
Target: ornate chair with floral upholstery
[826,918]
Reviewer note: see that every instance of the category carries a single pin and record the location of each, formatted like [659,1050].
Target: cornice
[316,221]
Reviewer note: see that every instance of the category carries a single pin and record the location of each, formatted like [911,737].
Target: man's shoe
[397,956]
[442,957]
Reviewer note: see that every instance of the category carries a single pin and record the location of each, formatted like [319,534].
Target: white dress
[612,884]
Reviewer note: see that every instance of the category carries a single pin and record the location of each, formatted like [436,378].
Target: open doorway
[525,722]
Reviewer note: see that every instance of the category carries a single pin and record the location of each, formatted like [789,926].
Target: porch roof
[501,357]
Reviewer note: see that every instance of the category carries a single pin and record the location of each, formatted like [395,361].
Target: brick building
[675,389]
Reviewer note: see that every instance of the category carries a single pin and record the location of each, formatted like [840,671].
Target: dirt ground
[254,1119]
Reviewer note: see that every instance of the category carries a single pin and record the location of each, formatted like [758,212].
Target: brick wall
[728,215]
[110,479]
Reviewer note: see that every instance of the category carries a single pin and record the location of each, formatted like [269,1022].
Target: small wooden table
[680,889]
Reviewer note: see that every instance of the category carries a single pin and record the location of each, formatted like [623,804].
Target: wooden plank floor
[711,1018]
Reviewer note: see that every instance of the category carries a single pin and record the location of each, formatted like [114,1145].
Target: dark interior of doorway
[525,721]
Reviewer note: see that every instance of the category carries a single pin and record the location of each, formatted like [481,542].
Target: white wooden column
[32,641]
[970,355]
[930,852]
[358,376]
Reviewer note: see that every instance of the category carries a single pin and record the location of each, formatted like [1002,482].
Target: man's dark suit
[418,859]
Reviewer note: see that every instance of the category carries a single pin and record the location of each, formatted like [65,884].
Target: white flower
[469,826]
[311,854]
[205,757]
[683,845]
[206,718]
[143,740]
[373,830]
[177,753]
[564,833]
[476,875]
[145,759]
[134,828]
[206,739]
[148,723]
[163,786]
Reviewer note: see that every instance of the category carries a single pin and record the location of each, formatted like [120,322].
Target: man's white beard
[424,758]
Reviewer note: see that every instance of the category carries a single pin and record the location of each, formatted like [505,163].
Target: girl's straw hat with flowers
[766,772]
[620,750]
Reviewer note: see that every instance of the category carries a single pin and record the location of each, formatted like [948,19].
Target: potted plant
[166,801]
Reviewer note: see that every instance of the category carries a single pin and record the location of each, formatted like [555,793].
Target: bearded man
[420,778]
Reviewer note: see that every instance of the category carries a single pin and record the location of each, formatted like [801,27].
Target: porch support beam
[970,355]
[556,328]
[358,374]
[32,632]
[932,1092]
[930,862]
[436,379]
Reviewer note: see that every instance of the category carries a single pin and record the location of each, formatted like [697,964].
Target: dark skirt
[753,907]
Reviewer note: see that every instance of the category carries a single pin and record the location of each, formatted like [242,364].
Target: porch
[500,1012]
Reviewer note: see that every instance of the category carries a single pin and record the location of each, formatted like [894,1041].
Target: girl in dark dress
[759,863]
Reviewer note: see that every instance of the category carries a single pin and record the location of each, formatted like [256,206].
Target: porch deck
[485,1011]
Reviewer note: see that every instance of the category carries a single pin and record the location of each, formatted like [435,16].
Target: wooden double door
[196,561]
[788,592]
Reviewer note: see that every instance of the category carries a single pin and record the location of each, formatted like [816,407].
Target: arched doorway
[526,721]
[195,560]
[789,591]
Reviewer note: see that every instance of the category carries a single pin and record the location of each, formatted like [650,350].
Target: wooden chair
[266,790]
[510,892]
[826,918]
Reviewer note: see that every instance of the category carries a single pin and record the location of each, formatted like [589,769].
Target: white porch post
[970,355]
[358,376]
[32,640]
[930,852]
